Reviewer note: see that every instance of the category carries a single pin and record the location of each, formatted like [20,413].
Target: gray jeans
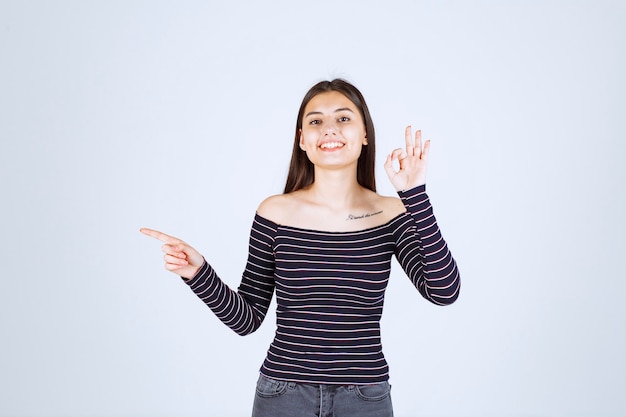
[275,398]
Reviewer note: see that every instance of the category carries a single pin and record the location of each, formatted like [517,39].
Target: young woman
[325,247]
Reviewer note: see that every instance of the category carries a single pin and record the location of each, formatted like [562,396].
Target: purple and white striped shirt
[330,288]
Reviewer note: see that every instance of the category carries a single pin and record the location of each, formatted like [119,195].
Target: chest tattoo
[362,216]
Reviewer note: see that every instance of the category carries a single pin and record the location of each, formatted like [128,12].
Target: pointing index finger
[159,235]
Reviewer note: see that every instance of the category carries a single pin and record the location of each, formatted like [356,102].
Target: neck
[335,188]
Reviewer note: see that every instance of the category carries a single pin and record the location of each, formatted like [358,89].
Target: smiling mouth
[331,145]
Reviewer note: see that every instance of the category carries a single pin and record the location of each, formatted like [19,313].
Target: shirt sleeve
[242,310]
[422,251]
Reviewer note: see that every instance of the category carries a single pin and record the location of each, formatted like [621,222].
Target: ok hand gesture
[412,162]
[180,258]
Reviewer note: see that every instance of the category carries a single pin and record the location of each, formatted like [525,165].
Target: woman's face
[332,131]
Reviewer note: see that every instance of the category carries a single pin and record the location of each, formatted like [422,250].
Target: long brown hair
[301,172]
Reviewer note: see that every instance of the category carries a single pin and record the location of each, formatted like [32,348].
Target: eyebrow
[336,111]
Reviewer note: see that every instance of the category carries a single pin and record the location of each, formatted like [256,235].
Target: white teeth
[331,145]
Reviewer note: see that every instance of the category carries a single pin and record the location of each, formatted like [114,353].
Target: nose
[329,129]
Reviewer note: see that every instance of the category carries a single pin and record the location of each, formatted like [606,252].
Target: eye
[315,122]
[344,119]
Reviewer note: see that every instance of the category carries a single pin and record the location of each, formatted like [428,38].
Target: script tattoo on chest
[362,216]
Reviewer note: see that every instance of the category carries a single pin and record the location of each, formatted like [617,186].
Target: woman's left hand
[412,162]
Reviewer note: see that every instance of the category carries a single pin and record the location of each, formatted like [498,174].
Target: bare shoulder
[392,206]
[276,207]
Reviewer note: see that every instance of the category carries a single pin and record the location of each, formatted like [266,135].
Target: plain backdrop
[116,115]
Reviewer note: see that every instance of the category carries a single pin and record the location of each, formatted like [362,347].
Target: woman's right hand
[180,258]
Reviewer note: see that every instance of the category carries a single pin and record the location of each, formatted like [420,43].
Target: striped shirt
[330,289]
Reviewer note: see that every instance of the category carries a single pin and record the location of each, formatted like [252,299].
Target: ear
[365,141]
[301,140]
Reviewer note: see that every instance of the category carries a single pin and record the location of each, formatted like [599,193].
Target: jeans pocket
[269,388]
[374,392]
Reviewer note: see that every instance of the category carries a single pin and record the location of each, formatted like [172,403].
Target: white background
[180,115]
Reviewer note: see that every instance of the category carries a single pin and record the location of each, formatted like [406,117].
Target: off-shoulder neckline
[329,232]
